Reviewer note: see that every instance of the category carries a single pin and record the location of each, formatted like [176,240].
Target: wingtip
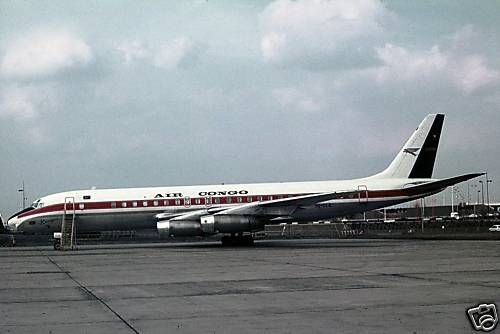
[471,176]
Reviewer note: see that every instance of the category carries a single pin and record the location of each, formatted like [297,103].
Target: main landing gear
[237,240]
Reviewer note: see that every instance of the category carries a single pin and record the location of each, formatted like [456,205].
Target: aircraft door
[362,194]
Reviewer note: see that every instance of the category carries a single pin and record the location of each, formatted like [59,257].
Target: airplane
[233,210]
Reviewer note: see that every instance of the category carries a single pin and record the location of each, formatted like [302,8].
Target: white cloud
[304,30]
[179,52]
[471,73]
[37,135]
[292,98]
[44,52]
[134,50]
[24,103]
[466,72]
[399,64]
[462,37]
[272,45]
[17,103]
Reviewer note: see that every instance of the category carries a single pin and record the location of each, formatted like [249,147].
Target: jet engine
[229,224]
[179,228]
[207,225]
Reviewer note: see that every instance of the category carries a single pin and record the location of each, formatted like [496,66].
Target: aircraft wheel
[235,241]
[227,241]
[247,240]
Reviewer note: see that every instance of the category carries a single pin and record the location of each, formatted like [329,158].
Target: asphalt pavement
[283,286]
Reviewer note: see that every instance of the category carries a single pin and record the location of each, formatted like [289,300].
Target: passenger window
[81,206]
[249,199]
[177,202]
[259,198]
[124,204]
[216,200]
[134,204]
[197,201]
[113,205]
[165,203]
[240,199]
[228,199]
[145,203]
[155,203]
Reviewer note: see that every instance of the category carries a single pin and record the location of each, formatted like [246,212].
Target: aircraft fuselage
[136,208]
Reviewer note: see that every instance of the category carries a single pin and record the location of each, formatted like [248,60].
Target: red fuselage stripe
[188,202]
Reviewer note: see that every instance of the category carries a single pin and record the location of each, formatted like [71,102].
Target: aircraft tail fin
[416,158]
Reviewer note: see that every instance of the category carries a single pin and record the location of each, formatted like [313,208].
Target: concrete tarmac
[287,286]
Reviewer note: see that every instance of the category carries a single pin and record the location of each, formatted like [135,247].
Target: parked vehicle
[494,228]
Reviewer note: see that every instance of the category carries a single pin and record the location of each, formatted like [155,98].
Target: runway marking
[90,293]
[45,272]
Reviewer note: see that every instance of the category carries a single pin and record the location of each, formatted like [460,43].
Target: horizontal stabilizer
[439,185]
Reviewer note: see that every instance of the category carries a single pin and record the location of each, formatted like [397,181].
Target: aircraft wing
[274,208]
[285,206]
[191,215]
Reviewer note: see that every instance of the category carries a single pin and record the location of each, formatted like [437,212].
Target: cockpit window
[21,212]
[37,204]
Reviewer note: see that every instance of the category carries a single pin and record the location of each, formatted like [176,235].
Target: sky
[113,94]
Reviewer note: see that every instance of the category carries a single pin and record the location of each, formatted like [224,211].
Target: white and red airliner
[233,209]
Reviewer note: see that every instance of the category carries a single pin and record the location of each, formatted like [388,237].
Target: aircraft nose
[12,224]
[3,225]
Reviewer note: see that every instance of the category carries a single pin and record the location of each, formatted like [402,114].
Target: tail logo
[412,150]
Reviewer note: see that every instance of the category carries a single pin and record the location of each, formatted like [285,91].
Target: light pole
[492,194]
[477,202]
[487,192]
[482,191]
[24,198]
[468,193]
[423,211]
[474,186]
[452,195]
